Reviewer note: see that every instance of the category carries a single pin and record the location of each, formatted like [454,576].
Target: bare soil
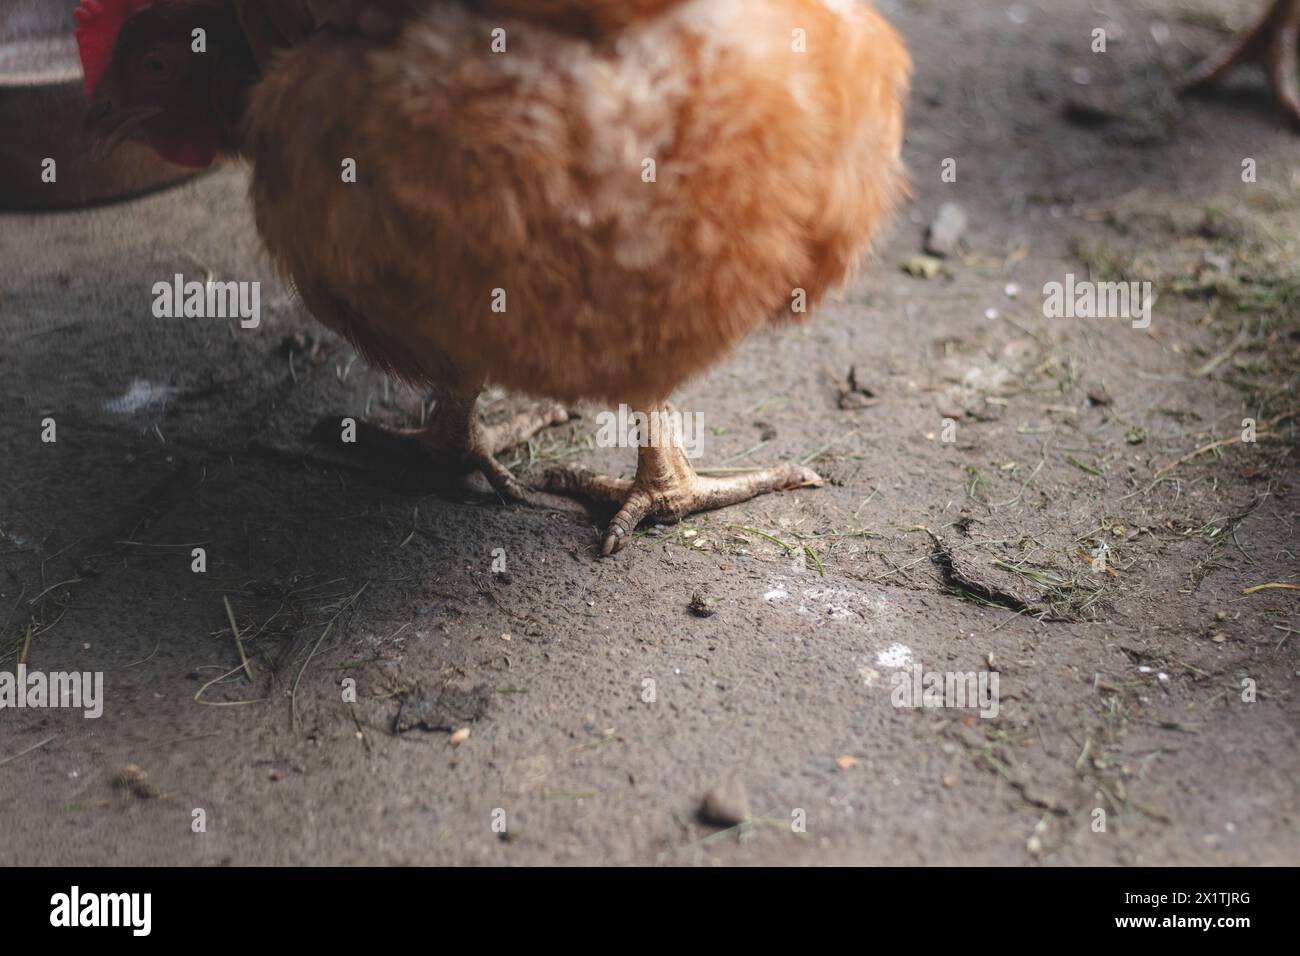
[1040,532]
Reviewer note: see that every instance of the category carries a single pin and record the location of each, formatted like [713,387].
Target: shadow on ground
[1007,493]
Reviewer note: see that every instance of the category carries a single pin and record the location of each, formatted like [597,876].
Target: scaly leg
[666,488]
[458,443]
[1273,42]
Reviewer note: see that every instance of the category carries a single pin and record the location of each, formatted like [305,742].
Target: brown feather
[523,172]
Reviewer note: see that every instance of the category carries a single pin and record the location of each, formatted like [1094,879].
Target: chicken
[186,107]
[1273,42]
[599,210]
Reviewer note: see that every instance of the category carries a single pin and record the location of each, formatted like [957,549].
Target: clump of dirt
[447,711]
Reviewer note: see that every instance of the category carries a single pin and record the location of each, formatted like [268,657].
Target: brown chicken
[574,199]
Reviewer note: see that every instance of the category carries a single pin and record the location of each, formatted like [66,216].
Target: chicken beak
[107,130]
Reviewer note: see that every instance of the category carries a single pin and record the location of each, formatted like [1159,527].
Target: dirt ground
[1039,532]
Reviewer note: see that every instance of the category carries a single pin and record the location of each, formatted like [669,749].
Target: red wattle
[196,152]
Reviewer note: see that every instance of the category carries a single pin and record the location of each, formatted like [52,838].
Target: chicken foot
[457,438]
[1273,42]
[667,489]
[459,444]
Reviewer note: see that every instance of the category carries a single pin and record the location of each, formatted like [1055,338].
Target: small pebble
[135,781]
[702,606]
[727,804]
[944,234]
[922,267]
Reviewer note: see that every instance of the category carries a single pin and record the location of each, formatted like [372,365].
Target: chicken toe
[458,444]
[520,427]
[667,489]
[1274,43]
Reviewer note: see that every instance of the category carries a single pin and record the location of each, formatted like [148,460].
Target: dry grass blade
[293,693]
[1272,585]
[23,753]
[1225,442]
[234,629]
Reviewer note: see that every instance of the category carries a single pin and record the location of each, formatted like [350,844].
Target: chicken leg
[1272,42]
[459,444]
[666,487]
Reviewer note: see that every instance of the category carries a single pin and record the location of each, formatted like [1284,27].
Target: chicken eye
[154,66]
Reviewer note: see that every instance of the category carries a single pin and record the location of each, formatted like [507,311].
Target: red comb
[98,24]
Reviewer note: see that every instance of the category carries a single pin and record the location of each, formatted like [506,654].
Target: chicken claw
[667,489]
[458,444]
[1273,42]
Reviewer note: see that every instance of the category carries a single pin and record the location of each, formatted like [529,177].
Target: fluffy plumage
[523,174]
